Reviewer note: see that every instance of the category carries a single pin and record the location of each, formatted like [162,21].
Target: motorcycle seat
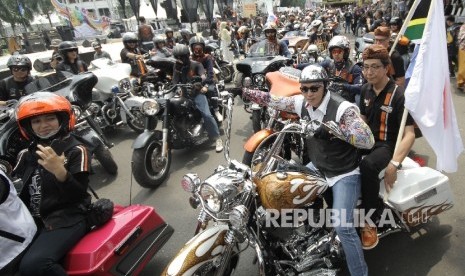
[283,85]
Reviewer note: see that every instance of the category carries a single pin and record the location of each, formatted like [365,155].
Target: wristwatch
[396,164]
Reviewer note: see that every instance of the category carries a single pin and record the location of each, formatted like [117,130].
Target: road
[435,250]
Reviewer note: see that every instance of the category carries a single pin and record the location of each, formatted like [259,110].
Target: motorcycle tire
[257,122]
[227,73]
[144,172]
[105,158]
[139,124]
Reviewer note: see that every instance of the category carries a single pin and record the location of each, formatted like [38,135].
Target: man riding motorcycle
[337,160]
[160,48]
[197,45]
[318,36]
[341,66]
[170,41]
[184,70]
[131,52]
[274,45]
[13,86]
[71,62]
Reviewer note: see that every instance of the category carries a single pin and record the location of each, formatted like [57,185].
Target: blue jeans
[345,195]
[209,122]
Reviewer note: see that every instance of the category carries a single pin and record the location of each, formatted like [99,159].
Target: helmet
[66,46]
[243,30]
[339,41]
[158,39]
[168,30]
[396,21]
[55,42]
[313,73]
[95,44]
[130,37]
[312,49]
[40,103]
[180,50]
[185,32]
[19,60]
[296,26]
[270,27]
[196,40]
[317,24]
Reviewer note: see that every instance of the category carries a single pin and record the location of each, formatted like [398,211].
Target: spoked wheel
[227,72]
[138,124]
[150,168]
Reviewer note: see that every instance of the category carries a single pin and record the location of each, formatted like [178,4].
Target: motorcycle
[182,127]
[282,83]
[224,70]
[243,203]
[261,59]
[361,43]
[113,102]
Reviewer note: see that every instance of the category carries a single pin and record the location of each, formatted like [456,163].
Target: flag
[416,20]
[21,9]
[428,94]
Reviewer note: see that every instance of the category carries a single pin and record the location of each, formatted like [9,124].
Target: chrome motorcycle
[239,203]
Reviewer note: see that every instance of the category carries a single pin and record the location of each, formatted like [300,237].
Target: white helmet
[317,24]
[312,49]
[339,41]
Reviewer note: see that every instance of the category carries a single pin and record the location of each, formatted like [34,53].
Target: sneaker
[369,237]
[218,116]
[219,145]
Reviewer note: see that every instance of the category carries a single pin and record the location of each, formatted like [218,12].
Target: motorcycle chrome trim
[164,151]
[150,107]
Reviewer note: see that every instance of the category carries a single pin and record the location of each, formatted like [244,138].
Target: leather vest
[17,227]
[332,157]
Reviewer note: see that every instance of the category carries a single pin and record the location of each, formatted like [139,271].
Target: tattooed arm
[265,99]
[355,130]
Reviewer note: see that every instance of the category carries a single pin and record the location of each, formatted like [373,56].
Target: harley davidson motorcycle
[182,127]
[261,59]
[238,202]
[113,102]
[223,69]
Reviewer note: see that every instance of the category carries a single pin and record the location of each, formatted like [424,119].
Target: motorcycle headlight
[150,107]
[259,79]
[211,197]
[124,85]
[76,110]
[94,108]
[239,217]
[189,182]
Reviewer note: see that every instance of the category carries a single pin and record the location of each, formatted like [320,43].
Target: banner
[154,5]
[249,8]
[135,6]
[190,8]
[207,6]
[123,7]
[170,8]
[428,94]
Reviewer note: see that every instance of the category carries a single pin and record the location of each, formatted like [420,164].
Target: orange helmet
[40,103]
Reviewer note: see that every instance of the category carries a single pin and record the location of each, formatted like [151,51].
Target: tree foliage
[293,3]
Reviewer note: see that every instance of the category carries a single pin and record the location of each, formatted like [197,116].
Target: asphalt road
[436,249]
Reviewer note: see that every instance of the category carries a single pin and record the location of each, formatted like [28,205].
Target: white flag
[428,95]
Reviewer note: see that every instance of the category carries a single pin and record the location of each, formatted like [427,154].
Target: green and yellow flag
[416,24]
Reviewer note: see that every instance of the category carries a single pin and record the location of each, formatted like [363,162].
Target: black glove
[178,65]
[197,86]
[323,133]
[336,86]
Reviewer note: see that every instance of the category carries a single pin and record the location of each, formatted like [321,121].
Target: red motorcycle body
[123,246]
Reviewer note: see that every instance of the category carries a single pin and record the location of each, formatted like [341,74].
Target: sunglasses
[336,51]
[312,89]
[17,69]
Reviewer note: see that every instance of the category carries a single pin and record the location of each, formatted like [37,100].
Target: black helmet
[180,50]
[19,60]
[158,39]
[130,37]
[196,40]
[168,30]
[396,21]
[67,46]
[185,32]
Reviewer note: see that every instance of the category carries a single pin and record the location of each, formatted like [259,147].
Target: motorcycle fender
[203,248]
[255,140]
[143,138]
[132,102]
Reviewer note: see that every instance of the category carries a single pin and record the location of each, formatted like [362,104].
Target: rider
[337,160]
[13,86]
[145,33]
[185,36]
[403,44]
[160,47]
[184,70]
[197,45]
[170,41]
[290,24]
[276,46]
[99,53]
[130,53]
[55,173]
[17,227]
[381,106]
[318,36]
[244,34]
[341,66]
[71,62]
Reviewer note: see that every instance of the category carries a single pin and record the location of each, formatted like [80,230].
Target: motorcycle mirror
[247,82]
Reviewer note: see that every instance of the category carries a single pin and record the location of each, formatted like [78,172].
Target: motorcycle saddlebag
[419,193]
[122,246]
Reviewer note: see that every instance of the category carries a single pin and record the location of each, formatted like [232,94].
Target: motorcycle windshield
[264,48]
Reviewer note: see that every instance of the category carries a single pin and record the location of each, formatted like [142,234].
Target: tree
[39,7]
[10,13]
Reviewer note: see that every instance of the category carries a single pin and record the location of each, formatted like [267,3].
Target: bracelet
[396,164]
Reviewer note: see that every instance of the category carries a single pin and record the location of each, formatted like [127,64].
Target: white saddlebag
[419,193]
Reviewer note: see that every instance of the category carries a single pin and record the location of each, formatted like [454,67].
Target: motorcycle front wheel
[227,72]
[150,169]
[137,124]
[105,158]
